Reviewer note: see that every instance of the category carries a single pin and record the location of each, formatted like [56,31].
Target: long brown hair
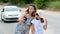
[41,19]
[33,13]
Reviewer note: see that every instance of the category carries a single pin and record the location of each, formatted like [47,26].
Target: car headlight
[4,15]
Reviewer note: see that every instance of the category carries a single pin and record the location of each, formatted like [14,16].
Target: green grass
[54,5]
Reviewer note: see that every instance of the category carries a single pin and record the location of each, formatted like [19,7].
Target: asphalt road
[53,24]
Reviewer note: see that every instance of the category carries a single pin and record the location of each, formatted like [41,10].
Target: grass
[55,5]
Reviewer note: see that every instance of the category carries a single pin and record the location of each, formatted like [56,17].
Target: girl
[25,20]
[39,24]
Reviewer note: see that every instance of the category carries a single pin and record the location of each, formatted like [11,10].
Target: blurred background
[49,8]
[41,4]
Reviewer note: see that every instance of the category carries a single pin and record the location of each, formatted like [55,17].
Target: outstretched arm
[21,17]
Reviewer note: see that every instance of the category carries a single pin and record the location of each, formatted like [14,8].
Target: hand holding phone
[25,18]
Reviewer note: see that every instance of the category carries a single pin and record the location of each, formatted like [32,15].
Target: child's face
[37,16]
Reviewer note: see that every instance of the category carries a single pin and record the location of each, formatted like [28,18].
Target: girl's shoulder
[33,21]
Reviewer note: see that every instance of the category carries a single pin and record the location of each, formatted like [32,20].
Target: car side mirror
[20,10]
[2,11]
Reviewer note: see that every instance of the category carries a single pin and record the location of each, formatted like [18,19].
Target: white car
[10,13]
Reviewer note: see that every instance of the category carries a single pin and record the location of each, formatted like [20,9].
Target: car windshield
[11,9]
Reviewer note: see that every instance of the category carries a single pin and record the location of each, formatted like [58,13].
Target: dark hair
[42,20]
[33,13]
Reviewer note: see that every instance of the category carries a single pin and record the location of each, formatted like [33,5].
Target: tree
[40,3]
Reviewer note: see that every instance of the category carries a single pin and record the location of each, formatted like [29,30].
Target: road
[53,23]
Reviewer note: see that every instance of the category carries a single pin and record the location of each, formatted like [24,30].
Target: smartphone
[25,18]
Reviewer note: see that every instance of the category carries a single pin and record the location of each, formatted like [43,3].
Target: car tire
[2,19]
[5,21]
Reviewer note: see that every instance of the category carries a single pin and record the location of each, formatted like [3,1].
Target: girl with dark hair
[39,25]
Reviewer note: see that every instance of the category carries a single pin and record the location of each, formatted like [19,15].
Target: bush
[40,3]
[54,5]
[29,1]
[43,3]
[21,2]
[17,2]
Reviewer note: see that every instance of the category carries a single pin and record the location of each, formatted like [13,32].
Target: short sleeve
[33,21]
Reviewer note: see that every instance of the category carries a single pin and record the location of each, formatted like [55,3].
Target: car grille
[11,18]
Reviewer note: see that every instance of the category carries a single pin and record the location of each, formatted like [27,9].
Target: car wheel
[2,19]
[5,21]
